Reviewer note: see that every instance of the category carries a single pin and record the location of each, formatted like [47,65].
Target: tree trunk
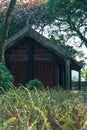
[5,29]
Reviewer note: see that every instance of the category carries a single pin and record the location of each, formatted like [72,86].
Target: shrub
[6,79]
[35,83]
[21,109]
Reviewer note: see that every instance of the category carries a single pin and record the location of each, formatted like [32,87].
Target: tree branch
[73,27]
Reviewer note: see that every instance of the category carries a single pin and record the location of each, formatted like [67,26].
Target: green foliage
[32,84]
[42,110]
[69,16]
[84,73]
[73,51]
[7,124]
[6,79]
[58,42]
[74,78]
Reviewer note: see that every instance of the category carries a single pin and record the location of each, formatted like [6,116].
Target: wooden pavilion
[30,55]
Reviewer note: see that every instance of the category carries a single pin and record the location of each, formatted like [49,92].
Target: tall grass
[21,109]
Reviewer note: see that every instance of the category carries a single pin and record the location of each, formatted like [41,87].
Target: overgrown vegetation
[22,109]
[6,79]
[84,73]
[35,83]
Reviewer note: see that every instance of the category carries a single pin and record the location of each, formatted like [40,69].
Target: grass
[21,109]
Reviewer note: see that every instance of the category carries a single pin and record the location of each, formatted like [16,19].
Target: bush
[6,79]
[32,84]
[21,109]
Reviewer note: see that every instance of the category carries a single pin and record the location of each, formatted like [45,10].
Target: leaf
[9,121]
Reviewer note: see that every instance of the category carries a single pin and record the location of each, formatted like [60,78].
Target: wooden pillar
[63,77]
[70,79]
[79,87]
[57,75]
[67,74]
[31,61]
[7,59]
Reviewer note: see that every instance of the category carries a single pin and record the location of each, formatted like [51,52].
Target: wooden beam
[67,74]
[63,77]
[11,41]
[70,79]
[79,80]
[31,60]
[57,74]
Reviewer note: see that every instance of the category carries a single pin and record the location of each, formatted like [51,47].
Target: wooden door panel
[20,72]
[44,71]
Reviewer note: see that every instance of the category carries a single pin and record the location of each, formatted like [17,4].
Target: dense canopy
[67,18]
[70,16]
[22,12]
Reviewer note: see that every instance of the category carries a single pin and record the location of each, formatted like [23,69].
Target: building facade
[30,55]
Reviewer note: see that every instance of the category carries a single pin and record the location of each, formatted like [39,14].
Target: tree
[84,73]
[7,22]
[56,18]
[70,17]
[5,28]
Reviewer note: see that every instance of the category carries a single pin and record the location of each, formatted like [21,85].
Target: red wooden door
[45,72]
